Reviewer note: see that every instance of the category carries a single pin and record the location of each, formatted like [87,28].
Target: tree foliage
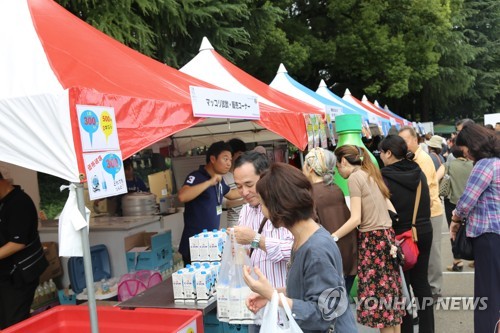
[426,59]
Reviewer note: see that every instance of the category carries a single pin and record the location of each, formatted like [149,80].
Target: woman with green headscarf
[331,209]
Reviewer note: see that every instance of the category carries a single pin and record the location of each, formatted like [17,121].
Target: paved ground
[454,285]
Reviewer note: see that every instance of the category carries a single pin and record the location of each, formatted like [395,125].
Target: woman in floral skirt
[380,299]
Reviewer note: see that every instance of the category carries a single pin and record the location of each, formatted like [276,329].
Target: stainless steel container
[139,204]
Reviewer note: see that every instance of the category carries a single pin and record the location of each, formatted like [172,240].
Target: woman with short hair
[331,208]
[315,264]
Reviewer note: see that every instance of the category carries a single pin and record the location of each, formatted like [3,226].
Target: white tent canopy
[27,85]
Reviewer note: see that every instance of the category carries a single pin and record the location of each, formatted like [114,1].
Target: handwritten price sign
[106,124]
[89,122]
[97,128]
[112,164]
[105,174]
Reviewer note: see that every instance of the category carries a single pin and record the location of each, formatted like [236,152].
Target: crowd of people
[304,240]
[285,218]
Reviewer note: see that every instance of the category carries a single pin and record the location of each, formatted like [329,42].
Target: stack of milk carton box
[196,282]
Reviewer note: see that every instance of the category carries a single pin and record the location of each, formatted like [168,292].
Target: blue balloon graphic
[89,122]
[112,164]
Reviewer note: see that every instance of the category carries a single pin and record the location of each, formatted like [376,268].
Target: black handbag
[463,244]
[29,263]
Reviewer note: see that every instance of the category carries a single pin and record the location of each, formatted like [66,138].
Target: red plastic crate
[76,319]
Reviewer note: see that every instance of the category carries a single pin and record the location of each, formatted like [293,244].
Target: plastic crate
[101,268]
[132,284]
[211,324]
[231,328]
[75,319]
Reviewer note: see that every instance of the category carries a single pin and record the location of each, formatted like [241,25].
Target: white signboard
[492,118]
[372,118]
[333,111]
[98,130]
[105,174]
[213,103]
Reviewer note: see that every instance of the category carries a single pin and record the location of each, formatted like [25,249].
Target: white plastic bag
[270,319]
[224,280]
[239,291]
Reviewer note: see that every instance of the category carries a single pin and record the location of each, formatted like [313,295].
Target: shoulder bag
[445,184]
[463,244]
[408,240]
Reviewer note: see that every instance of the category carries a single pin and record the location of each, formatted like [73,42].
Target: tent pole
[301,159]
[87,262]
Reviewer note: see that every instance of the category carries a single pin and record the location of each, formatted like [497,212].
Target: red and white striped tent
[51,61]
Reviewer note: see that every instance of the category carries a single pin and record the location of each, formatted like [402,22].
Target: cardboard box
[104,206]
[52,255]
[160,184]
[149,250]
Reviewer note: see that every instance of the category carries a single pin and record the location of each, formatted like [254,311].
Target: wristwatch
[335,238]
[255,242]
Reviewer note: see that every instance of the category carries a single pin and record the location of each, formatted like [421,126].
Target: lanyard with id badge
[218,192]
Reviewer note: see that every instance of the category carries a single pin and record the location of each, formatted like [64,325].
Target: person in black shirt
[402,176]
[22,260]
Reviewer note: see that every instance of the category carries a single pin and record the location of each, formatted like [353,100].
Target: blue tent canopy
[286,84]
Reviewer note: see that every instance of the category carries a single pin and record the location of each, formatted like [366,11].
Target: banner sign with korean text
[213,103]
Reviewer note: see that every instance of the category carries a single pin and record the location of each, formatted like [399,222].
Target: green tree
[482,28]
[123,20]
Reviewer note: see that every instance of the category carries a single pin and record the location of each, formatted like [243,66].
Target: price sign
[97,128]
[105,174]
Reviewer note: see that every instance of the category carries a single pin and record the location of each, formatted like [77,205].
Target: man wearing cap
[22,260]
[435,273]
[435,145]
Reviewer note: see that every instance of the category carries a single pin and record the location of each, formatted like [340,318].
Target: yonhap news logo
[461,303]
[442,303]
[333,302]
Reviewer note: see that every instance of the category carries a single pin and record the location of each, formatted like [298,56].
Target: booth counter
[111,231]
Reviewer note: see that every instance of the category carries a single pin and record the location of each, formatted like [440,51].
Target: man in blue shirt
[202,194]
[134,182]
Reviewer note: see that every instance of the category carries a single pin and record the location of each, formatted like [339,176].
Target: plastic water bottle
[53,287]
[104,286]
[46,290]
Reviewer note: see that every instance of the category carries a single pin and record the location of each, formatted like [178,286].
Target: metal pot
[138,204]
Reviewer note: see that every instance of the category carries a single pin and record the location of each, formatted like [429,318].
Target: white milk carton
[248,317]
[177,278]
[208,267]
[203,285]
[215,266]
[238,311]
[203,246]
[223,235]
[189,285]
[223,302]
[215,245]
[194,247]
[235,305]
